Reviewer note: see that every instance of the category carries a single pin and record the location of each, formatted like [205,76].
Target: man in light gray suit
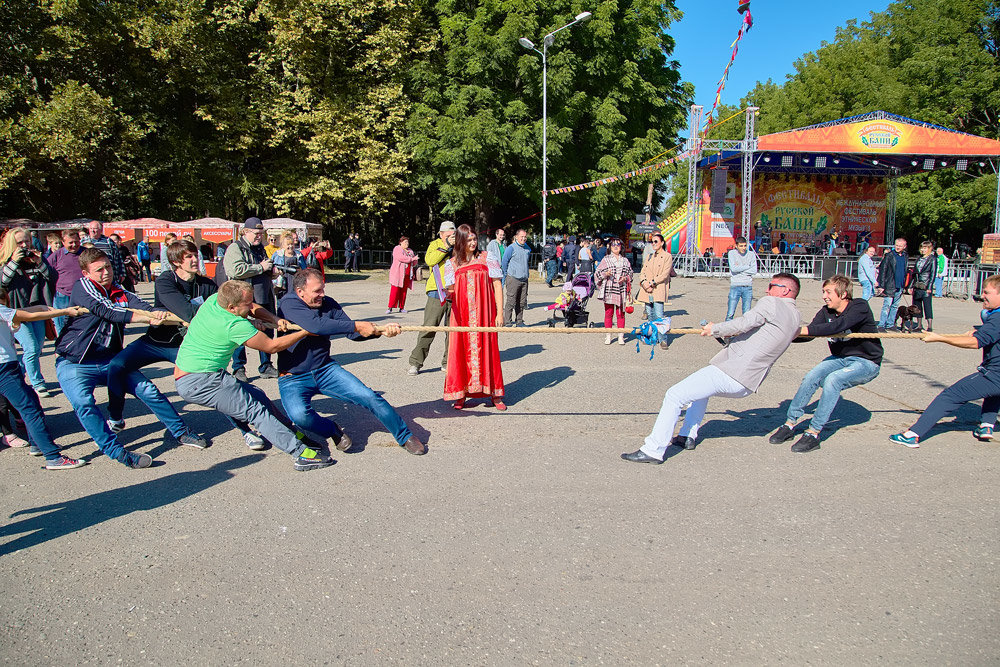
[756,340]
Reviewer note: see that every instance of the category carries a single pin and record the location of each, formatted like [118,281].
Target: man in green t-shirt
[217,329]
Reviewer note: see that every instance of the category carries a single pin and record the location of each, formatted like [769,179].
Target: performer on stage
[473,358]
[984,383]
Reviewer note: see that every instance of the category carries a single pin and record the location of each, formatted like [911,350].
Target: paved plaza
[522,538]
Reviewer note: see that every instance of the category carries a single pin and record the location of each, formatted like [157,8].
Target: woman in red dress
[476,301]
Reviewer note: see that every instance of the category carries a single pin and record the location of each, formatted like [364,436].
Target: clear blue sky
[782,32]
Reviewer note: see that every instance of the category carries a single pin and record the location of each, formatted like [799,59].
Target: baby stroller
[572,302]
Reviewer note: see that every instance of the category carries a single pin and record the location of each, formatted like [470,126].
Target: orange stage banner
[126,233]
[879,137]
[217,235]
[157,233]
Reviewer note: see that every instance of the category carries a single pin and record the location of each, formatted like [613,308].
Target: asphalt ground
[522,537]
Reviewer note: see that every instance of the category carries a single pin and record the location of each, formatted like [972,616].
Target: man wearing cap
[437,308]
[247,260]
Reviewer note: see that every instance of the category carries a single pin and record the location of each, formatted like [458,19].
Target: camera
[291,270]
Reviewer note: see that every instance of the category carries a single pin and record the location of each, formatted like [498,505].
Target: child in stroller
[572,301]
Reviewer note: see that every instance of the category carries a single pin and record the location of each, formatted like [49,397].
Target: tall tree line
[380,116]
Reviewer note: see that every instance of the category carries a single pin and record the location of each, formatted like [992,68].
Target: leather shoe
[414,446]
[343,442]
[783,434]
[683,441]
[639,456]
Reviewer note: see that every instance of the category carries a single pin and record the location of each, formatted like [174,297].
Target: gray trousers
[243,402]
[516,300]
[435,313]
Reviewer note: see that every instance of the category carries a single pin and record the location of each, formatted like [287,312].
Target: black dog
[906,314]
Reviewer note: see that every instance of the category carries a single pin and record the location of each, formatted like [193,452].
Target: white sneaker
[254,441]
[621,339]
[413,370]
[607,339]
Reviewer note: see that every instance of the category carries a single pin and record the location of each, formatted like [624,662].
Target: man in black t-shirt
[852,361]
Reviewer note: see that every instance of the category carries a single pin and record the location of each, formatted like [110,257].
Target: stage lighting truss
[962,164]
[929,164]
[786,160]
[821,162]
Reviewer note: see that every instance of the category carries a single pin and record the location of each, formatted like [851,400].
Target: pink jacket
[403,262]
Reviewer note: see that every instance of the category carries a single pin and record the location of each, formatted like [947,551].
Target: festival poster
[803,208]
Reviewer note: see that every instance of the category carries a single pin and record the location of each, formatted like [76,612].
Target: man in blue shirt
[983,384]
[892,282]
[307,369]
[516,269]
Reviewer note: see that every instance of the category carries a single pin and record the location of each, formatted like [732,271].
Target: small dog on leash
[905,316]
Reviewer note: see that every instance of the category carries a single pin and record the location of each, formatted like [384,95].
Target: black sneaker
[192,440]
[806,443]
[685,442]
[133,460]
[781,435]
[314,462]
[240,375]
[269,373]
[880,329]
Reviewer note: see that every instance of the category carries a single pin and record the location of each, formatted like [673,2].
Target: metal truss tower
[693,149]
[749,148]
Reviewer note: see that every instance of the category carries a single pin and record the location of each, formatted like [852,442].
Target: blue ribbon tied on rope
[652,333]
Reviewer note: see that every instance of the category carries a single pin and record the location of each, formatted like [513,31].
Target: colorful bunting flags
[745,25]
[619,177]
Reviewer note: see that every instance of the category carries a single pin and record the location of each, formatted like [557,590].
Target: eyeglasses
[657,242]
[616,243]
[785,287]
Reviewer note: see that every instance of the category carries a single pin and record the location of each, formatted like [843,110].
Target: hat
[447,226]
[253,223]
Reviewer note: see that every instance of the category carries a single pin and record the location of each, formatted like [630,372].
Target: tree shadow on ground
[50,522]
[345,358]
[341,277]
[908,370]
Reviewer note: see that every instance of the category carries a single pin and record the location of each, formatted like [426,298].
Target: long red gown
[473,358]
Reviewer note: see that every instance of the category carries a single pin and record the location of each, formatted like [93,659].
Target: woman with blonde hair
[288,260]
[29,281]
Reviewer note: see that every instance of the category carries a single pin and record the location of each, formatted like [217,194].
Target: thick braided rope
[617,330]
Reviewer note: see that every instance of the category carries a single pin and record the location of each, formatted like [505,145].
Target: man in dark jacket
[892,282]
[852,361]
[181,291]
[247,260]
[551,263]
[569,257]
[86,347]
[348,252]
[308,370]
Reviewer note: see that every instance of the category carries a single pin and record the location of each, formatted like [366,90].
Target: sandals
[459,404]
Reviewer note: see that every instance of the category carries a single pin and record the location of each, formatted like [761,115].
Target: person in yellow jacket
[437,309]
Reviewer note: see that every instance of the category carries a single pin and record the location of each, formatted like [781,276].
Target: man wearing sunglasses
[756,340]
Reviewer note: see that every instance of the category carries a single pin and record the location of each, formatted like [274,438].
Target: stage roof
[872,144]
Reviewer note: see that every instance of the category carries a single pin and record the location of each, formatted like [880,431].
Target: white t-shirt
[8,352]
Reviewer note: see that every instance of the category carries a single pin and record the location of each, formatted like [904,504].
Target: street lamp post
[546,43]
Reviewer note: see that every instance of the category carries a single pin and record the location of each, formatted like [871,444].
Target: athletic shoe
[116,426]
[984,433]
[13,440]
[34,450]
[388,310]
[781,435]
[402,311]
[240,375]
[42,391]
[254,441]
[192,440]
[133,460]
[806,443]
[901,439]
[269,373]
[314,462]
[64,463]
[343,442]
[413,370]
[414,446]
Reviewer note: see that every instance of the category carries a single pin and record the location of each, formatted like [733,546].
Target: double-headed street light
[546,43]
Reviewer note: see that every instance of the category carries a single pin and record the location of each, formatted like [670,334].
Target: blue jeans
[139,354]
[970,388]
[654,309]
[939,286]
[833,374]
[25,401]
[60,301]
[550,270]
[333,381]
[31,336]
[889,306]
[867,290]
[78,382]
[736,293]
